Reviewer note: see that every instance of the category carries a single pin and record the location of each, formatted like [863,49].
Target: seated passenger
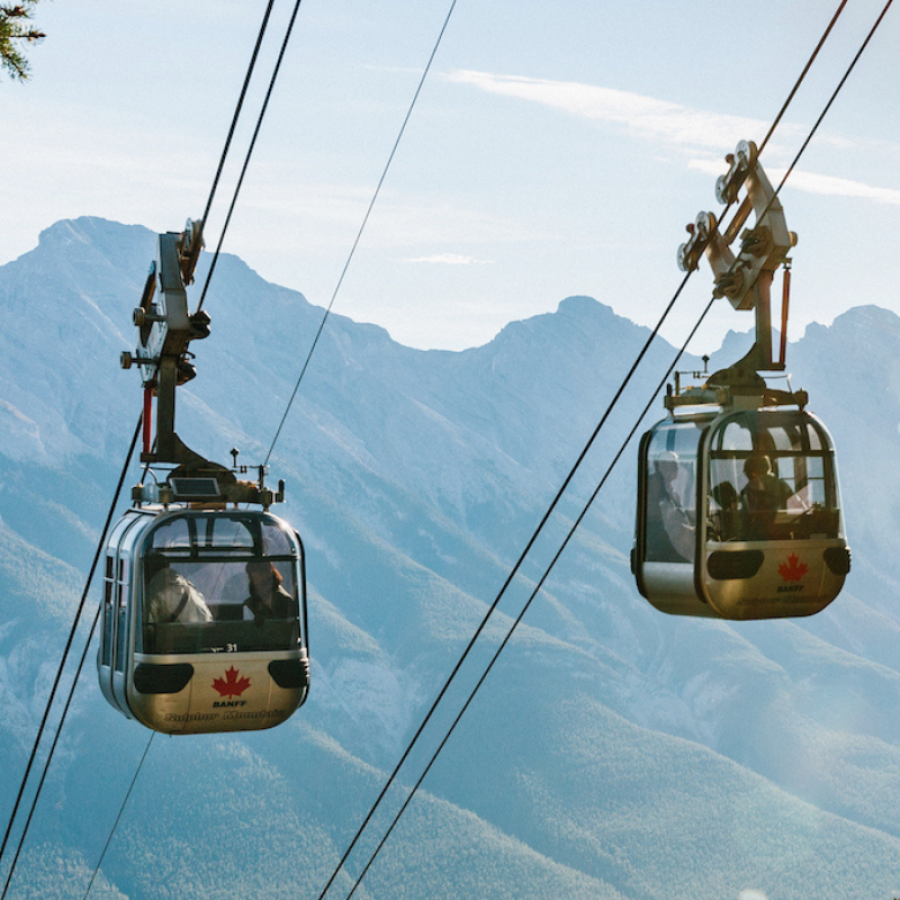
[267,600]
[761,498]
[724,520]
[174,599]
[670,529]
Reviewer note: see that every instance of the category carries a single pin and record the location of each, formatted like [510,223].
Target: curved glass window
[771,478]
[670,478]
[220,582]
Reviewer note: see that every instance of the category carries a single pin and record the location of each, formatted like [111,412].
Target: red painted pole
[785,302]
[148,415]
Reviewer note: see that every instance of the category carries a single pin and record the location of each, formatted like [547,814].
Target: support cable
[519,562]
[827,107]
[799,81]
[119,816]
[362,227]
[481,626]
[528,602]
[62,664]
[237,109]
[46,769]
[249,154]
[835,93]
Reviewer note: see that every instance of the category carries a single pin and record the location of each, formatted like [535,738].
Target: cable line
[119,816]
[237,109]
[520,561]
[827,107]
[528,602]
[256,130]
[362,227]
[62,664]
[799,81]
[56,737]
[837,90]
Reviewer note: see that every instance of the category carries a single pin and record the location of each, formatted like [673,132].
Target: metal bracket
[165,328]
[745,277]
[764,247]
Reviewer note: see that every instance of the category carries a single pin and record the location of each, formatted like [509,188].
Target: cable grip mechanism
[744,275]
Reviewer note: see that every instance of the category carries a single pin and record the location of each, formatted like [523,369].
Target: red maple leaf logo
[231,685]
[793,569]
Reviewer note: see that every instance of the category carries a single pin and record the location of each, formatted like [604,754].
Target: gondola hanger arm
[744,275]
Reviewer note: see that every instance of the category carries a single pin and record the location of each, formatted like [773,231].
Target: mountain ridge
[614,752]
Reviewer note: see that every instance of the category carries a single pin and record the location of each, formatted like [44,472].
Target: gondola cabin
[739,514]
[738,508]
[204,620]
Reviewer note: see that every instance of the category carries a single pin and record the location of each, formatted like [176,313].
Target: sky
[555,149]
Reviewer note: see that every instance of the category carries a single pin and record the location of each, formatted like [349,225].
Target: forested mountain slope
[613,752]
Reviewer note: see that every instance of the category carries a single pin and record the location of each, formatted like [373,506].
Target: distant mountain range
[614,753]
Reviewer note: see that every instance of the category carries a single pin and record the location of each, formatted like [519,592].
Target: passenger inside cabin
[268,599]
[670,529]
[761,498]
[174,599]
[724,522]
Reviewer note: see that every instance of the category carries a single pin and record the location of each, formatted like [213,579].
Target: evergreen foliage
[15,28]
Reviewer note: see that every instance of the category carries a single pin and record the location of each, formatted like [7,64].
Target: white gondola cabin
[738,512]
[204,620]
[739,515]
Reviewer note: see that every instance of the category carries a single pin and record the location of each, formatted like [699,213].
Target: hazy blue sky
[556,149]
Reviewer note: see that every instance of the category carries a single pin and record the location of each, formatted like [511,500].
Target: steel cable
[238,108]
[62,664]
[519,562]
[249,154]
[528,602]
[362,228]
[137,772]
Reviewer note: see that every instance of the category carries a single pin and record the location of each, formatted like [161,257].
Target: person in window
[724,521]
[268,599]
[174,599]
[761,498]
[670,531]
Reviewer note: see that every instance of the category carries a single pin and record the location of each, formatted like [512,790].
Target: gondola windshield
[771,478]
[218,583]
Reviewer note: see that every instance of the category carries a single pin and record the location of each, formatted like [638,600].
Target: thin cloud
[644,117]
[842,187]
[671,126]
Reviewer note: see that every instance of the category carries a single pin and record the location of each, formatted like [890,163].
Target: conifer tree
[16,30]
